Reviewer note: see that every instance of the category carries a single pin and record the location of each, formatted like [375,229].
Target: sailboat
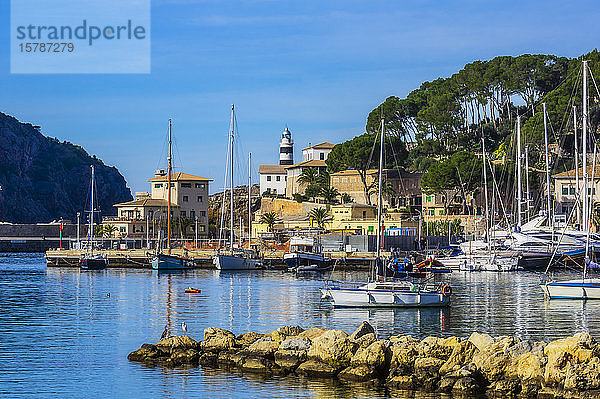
[237,258]
[382,293]
[583,288]
[168,261]
[89,261]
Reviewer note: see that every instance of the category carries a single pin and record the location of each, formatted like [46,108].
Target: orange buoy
[446,290]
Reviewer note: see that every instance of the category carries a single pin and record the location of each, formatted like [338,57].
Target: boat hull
[230,262]
[572,289]
[169,262]
[93,264]
[358,297]
[306,262]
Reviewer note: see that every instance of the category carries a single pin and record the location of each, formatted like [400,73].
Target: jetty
[140,258]
[477,365]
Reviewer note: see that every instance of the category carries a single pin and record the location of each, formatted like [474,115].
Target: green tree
[362,153]
[98,230]
[330,194]
[346,198]
[184,224]
[109,230]
[320,216]
[269,219]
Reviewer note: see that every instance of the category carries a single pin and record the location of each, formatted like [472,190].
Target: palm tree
[330,194]
[98,230]
[320,215]
[346,198]
[270,219]
[109,230]
[184,224]
[309,176]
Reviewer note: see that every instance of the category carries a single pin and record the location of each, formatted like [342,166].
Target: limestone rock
[495,366]
[462,353]
[182,357]
[427,371]
[404,351]
[364,329]
[506,387]
[466,385]
[401,382]
[481,341]
[283,332]
[175,343]
[315,368]
[358,373]
[296,344]
[527,366]
[333,348]
[290,359]
[147,353]
[264,347]
[375,355]
[365,340]
[436,347]
[257,365]
[246,339]
[217,339]
[312,333]
[564,354]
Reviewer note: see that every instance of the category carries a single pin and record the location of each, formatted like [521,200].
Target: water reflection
[80,331]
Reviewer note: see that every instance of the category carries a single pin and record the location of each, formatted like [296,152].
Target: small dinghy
[191,290]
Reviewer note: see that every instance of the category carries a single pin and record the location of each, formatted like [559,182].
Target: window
[364,214]
[565,189]
[200,185]
[122,229]
[199,198]
[158,185]
[371,229]
[193,215]
[285,178]
[591,191]
[322,156]
[182,214]
[441,212]
[278,178]
[186,185]
[203,213]
[431,212]
[202,228]
[274,191]
[268,178]
[185,198]
[572,190]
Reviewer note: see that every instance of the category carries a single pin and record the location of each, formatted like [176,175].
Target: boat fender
[446,290]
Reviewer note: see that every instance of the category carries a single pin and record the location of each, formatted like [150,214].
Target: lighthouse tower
[286,148]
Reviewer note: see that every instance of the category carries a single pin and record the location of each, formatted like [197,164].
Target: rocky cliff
[43,179]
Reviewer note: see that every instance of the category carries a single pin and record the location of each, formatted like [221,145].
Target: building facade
[295,171]
[317,152]
[189,207]
[273,179]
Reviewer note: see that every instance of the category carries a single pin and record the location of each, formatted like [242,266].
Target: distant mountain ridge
[43,179]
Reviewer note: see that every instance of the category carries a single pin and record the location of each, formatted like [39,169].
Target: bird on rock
[165,333]
[184,327]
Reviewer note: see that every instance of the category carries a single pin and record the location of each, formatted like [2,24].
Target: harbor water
[67,333]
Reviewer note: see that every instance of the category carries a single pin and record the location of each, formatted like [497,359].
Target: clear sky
[318,67]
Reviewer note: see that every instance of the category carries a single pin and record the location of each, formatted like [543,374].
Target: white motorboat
[572,289]
[388,294]
[306,253]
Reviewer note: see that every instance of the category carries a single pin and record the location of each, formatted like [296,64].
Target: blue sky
[317,66]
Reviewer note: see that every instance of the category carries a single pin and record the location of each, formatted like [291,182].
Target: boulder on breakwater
[497,366]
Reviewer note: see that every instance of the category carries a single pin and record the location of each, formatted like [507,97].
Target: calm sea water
[67,333]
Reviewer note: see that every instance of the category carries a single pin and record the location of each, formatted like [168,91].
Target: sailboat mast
[231,233]
[577,204]
[584,152]
[527,195]
[519,184]
[169,171]
[548,199]
[485,190]
[91,226]
[379,202]
[249,199]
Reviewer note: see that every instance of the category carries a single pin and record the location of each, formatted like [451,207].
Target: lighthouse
[286,148]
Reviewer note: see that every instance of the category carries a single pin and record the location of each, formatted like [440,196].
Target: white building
[273,179]
[317,152]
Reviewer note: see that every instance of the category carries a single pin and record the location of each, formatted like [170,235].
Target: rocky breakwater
[480,364]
